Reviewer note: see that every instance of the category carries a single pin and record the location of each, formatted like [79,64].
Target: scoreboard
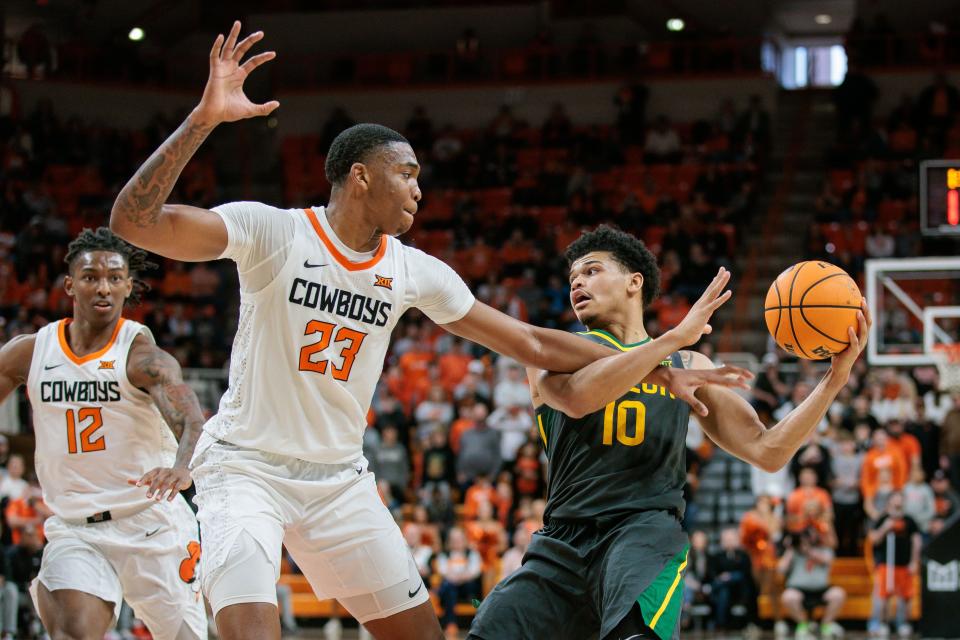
[940,197]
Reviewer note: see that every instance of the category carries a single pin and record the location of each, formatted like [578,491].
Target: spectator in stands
[879,244]
[882,455]
[937,107]
[875,505]
[806,564]
[422,553]
[393,465]
[21,566]
[513,557]
[479,454]
[769,391]
[512,388]
[513,421]
[435,412]
[908,445]
[12,485]
[760,531]
[528,472]
[945,500]
[807,492]
[845,492]
[813,455]
[29,510]
[482,491]
[439,464]
[459,567]
[486,534]
[438,509]
[859,411]
[731,580]
[896,555]
[662,144]
[696,584]
[918,499]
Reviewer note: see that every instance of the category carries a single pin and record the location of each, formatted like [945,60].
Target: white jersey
[94,429]
[314,329]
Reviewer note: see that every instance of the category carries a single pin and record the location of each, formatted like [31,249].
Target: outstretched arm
[15,358]
[734,425]
[601,382]
[140,213]
[153,369]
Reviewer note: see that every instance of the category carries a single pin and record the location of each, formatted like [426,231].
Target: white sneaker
[333,630]
[832,631]
[905,631]
[781,630]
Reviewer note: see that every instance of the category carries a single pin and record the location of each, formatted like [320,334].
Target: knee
[835,595]
[790,597]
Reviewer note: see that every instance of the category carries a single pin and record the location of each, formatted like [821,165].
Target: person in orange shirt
[487,535]
[807,492]
[880,455]
[481,491]
[759,531]
[454,365]
[29,510]
[907,443]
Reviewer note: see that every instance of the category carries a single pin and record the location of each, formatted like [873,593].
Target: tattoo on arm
[141,200]
[174,398]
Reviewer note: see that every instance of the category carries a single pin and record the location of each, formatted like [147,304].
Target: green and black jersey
[628,457]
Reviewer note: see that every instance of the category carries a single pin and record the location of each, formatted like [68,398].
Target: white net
[947,358]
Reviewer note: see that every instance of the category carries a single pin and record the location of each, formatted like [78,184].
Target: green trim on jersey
[662,601]
[600,333]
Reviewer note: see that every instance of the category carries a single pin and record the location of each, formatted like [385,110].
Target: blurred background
[750,134]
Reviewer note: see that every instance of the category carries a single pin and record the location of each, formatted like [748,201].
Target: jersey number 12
[85,443]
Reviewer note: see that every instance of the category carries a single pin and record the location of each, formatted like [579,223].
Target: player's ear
[636,282]
[360,175]
[68,285]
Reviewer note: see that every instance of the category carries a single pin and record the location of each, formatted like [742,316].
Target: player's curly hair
[629,251]
[354,145]
[102,239]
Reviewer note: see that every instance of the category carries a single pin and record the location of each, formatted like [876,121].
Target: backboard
[915,304]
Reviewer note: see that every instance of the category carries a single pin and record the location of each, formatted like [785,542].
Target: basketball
[809,307]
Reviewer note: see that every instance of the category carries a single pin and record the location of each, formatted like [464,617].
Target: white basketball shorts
[150,559]
[330,517]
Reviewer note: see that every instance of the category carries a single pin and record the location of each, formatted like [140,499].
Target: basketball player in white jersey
[105,399]
[321,290]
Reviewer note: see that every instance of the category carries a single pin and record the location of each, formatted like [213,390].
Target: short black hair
[629,251]
[105,240]
[354,145]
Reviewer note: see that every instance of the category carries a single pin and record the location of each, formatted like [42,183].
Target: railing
[535,62]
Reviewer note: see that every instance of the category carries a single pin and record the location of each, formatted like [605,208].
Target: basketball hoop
[947,357]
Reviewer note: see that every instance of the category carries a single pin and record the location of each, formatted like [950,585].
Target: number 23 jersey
[314,328]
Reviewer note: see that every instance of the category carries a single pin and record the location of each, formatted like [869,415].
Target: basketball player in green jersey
[610,559]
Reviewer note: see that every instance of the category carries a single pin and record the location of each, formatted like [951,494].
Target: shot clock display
[940,197]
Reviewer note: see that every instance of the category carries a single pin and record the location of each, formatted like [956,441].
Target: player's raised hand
[842,363]
[697,321]
[223,97]
[164,480]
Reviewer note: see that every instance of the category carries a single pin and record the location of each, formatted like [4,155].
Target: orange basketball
[809,307]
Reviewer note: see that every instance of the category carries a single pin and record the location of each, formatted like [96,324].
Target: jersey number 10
[85,443]
[622,411]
